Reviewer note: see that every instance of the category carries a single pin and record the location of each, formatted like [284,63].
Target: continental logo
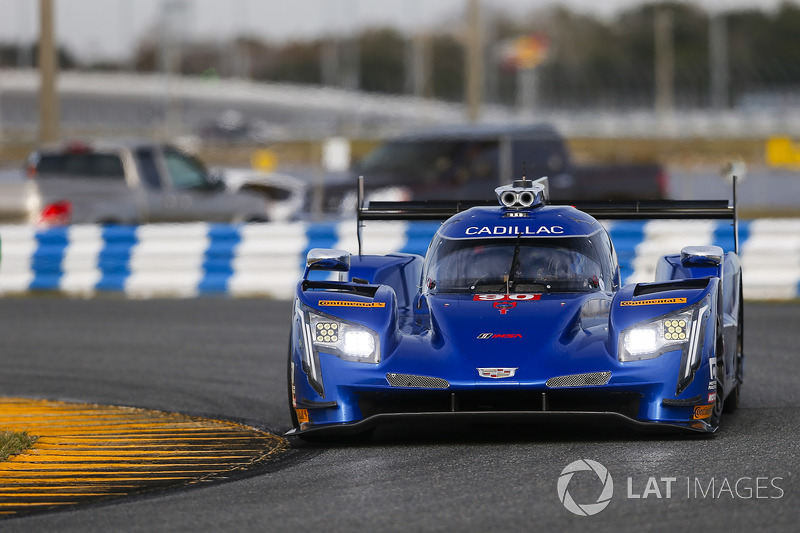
[661,301]
[302,415]
[335,303]
[702,411]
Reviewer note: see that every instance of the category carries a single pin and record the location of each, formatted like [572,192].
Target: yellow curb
[91,452]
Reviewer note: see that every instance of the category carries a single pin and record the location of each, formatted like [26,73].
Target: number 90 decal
[504,297]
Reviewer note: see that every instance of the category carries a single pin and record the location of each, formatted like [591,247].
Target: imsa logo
[500,336]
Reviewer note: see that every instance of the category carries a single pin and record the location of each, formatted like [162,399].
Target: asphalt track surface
[225,359]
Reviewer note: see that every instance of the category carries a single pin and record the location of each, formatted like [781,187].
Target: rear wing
[420,210]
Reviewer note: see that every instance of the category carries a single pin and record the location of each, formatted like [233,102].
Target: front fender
[378,313]
[646,301]
[648,305]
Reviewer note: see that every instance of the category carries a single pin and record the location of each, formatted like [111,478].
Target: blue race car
[517,313]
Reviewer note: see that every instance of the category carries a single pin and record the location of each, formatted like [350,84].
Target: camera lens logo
[585,509]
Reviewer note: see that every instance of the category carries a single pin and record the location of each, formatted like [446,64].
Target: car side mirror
[328,259]
[701,256]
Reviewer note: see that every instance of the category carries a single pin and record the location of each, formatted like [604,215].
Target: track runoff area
[86,453]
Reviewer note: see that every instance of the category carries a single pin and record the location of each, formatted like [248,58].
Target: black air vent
[684,284]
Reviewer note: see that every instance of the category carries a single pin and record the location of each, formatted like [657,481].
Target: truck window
[184,171]
[435,161]
[411,160]
[476,161]
[539,157]
[83,165]
[148,169]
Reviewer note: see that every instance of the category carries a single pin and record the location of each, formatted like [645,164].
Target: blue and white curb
[185,260]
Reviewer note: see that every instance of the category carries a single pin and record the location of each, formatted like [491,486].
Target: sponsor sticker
[514,230]
[712,385]
[500,336]
[302,415]
[712,397]
[660,301]
[505,297]
[702,411]
[343,303]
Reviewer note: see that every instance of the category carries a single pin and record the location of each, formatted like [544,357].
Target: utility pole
[665,63]
[173,11]
[418,54]
[474,71]
[240,49]
[48,67]
[351,75]
[24,48]
[418,65]
[350,48]
[718,60]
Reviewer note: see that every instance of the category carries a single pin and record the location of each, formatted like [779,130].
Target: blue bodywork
[498,353]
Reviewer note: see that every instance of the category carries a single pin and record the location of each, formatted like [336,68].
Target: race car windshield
[516,265]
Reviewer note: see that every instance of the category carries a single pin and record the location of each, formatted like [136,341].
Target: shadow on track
[426,433]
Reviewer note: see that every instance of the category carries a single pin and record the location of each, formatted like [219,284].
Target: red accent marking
[506,297]
[504,306]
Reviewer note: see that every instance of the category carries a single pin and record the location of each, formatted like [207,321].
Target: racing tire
[740,338]
[732,401]
[716,413]
[289,387]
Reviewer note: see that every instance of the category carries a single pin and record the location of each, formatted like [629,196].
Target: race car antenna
[359,206]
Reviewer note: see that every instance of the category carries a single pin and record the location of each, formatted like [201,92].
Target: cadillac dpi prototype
[517,313]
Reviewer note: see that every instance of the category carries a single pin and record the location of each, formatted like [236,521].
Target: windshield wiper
[512,272]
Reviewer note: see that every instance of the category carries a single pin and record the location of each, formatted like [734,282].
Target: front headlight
[648,340]
[680,330]
[348,341]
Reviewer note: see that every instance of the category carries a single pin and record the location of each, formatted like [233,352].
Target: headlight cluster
[351,342]
[318,332]
[681,330]
[651,339]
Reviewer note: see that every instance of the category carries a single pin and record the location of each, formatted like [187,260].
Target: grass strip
[14,442]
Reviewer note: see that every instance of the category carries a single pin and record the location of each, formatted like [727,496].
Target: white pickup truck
[134,183]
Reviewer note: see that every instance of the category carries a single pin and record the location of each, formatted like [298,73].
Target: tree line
[590,61]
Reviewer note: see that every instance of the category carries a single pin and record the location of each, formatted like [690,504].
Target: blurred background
[701,89]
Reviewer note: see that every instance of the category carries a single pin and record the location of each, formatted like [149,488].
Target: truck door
[193,195]
[160,200]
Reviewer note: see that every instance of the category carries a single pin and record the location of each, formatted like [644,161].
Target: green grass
[14,442]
